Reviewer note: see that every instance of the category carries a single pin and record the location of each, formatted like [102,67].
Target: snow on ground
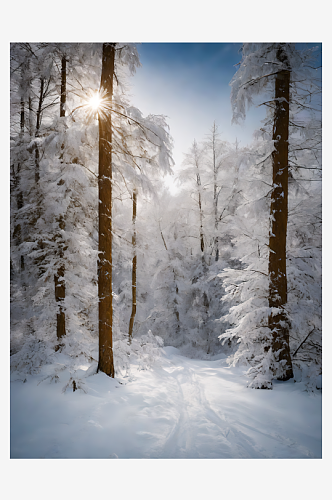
[181,408]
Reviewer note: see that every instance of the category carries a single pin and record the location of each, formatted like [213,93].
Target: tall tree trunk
[278,323]
[60,291]
[17,182]
[59,277]
[215,195]
[22,116]
[201,235]
[106,363]
[134,269]
[38,123]
[63,86]
[30,117]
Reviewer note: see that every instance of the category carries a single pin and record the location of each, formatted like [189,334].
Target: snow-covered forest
[156,323]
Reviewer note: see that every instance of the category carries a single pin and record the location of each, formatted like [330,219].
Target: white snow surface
[180,408]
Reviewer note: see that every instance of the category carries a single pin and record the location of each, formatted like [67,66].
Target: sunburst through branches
[95,101]
[97,104]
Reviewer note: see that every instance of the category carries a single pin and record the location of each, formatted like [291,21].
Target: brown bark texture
[60,294]
[59,278]
[19,196]
[63,86]
[38,118]
[22,116]
[278,323]
[134,269]
[106,363]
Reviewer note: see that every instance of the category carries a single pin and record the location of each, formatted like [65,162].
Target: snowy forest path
[204,426]
[198,427]
[180,408]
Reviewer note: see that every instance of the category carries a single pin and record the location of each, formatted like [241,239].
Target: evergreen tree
[287,67]
[60,191]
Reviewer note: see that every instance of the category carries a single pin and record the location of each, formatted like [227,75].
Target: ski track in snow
[182,408]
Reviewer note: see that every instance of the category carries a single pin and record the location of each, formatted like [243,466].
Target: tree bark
[278,323]
[106,363]
[17,183]
[201,235]
[63,86]
[38,123]
[30,117]
[134,269]
[59,277]
[60,294]
[196,161]
[22,116]
[215,196]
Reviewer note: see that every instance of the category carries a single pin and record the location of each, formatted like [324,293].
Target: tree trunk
[38,116]
[22,117]
[201,235]
[63,86]
[134,268]
[60,294]
[215,196]
[278,323]
[30,117]
[106,363]
[17,183]
[59,278]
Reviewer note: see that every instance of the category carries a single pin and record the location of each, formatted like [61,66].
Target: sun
[95,101]
[97,104]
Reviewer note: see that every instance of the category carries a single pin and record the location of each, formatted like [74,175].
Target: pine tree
[279,215]
[283,67]
[59,219]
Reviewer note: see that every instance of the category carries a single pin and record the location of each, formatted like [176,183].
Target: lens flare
[96,104]
[95,101]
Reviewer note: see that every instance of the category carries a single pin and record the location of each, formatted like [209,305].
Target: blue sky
[189,82]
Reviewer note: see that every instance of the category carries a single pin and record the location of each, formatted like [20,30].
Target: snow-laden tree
[59,240]
[186,288]
[193,163]
[262,318]
[60,212]
[218,157]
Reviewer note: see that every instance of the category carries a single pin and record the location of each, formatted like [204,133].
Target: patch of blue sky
[189,83]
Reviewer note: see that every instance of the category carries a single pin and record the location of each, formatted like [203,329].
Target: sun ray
[95,101]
